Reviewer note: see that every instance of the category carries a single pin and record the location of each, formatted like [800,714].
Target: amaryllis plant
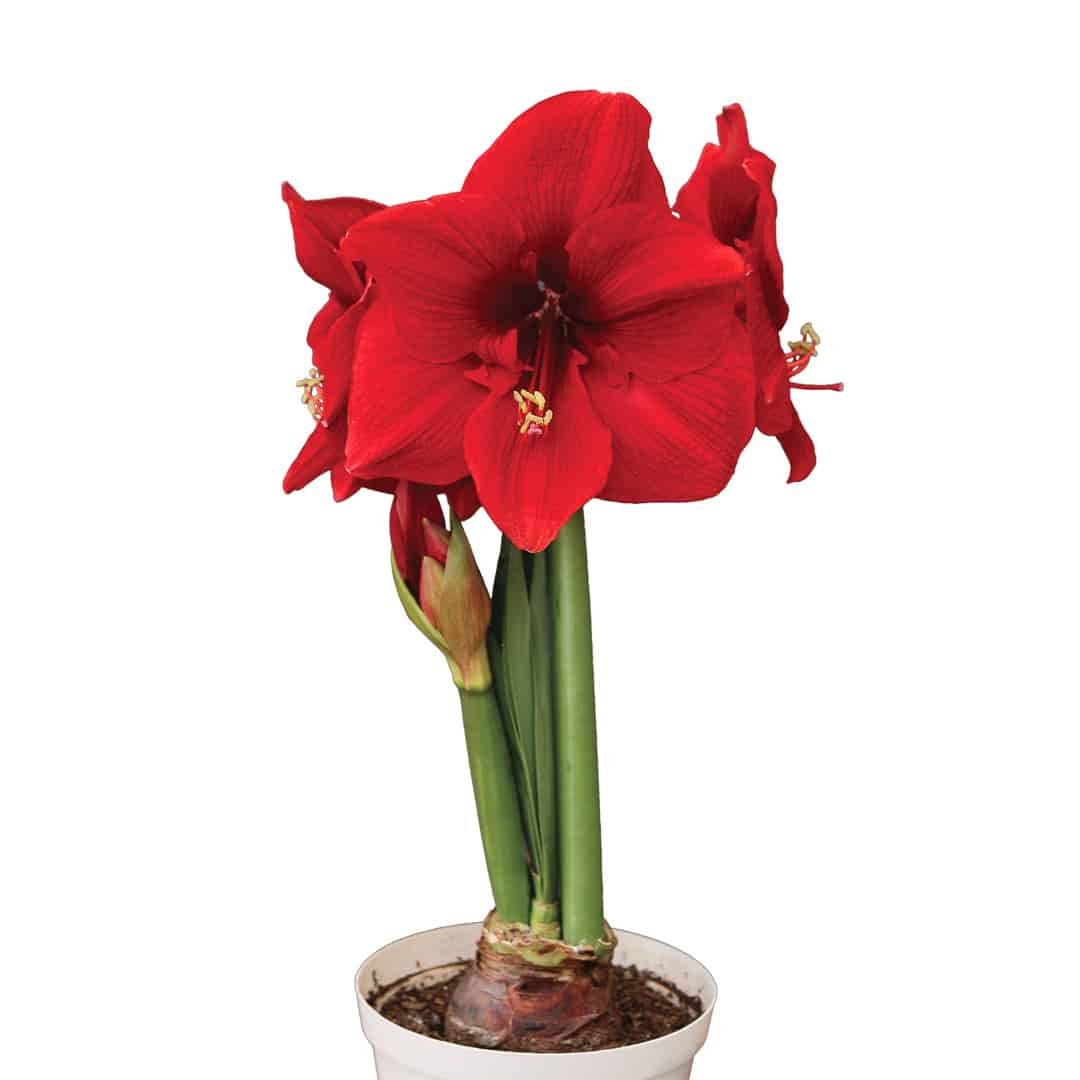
[552,333]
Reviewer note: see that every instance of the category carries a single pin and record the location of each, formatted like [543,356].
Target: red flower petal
[406,418]
[774,413]
[463,499]
[332,217]
[664,291]
[343,484]
[799,448]
[318,226]
[530,486]
[324,320]
[451,269]
[333,356]
[692,202]
[765,253]
[677,440]
[719,195]
[566,158]
[323,449]
[730,193]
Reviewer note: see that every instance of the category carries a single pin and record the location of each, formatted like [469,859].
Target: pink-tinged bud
[412,505]
[431,587]
[439,583]
[436,540]
[465,610]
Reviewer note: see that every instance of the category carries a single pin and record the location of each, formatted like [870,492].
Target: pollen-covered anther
[312,395]
[798,359]
[802,352]
[533,423]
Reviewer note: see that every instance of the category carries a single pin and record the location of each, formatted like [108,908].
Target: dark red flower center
[544,341]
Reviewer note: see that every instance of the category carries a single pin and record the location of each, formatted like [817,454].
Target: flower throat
[534,412]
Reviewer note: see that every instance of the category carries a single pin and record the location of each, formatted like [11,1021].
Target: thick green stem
[544,741]
[497,804]
[575,728]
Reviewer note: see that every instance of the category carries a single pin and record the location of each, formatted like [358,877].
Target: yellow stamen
[313,395]
[533,423]
[810,341]
[802,352]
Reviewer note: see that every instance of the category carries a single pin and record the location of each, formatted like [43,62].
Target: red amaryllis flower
[730,193]
[318,227]
[551,329]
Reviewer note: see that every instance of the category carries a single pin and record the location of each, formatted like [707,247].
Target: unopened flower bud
[439,584]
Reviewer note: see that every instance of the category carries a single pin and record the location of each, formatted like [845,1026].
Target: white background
[838,719]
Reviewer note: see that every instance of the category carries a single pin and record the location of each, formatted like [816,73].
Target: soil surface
[648,1006]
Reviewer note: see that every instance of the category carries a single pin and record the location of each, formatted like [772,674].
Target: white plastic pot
[404,1055]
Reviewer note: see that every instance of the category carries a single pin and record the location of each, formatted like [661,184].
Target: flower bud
[414,504]
[439,584]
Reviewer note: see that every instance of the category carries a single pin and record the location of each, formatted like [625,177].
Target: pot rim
[368,1012]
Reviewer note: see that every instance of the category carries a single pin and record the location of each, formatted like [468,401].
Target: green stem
[575,728]
[544,740]
[497,804]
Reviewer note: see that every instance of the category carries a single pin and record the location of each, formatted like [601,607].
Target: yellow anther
[533,421]
[535,415]
[312,396]
[810,341]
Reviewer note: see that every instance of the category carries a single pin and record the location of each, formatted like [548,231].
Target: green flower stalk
[575,728]
[520,647]
[444,595]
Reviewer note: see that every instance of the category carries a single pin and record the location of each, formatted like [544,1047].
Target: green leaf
[510,648]
[547,811]
[517,643]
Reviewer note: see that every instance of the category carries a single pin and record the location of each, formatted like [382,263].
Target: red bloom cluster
[730,194]
[552,332]
[318,228]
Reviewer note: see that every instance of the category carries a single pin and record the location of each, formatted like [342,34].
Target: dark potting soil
[648,1006]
